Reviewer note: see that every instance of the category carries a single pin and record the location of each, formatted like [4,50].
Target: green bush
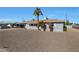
[51,27]
[64,28]
[42,25]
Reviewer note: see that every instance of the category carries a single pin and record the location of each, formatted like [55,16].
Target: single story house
[57,25]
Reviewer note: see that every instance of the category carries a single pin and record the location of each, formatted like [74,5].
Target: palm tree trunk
[38,22]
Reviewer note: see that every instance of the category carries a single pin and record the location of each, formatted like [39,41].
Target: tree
[68,23]
[42,25]
[37,13]
[46,18]
[33,19]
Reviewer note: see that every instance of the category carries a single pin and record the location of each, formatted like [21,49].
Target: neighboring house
[9,25]
[17,25]
[57,25]
[5,26]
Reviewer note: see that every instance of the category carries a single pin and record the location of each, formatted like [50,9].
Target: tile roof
[46,21]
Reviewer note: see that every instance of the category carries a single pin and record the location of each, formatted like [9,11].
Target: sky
[18,14]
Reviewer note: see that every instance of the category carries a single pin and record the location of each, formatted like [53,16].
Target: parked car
[5,26]
[8,26]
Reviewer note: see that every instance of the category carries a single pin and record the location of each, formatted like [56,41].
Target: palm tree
[37,13]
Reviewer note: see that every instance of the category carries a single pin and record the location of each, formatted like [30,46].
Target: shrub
[64,28]
[51,27]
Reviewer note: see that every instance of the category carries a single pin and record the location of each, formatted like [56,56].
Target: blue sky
[18,14]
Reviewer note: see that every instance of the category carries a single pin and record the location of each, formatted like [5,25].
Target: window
[33,24]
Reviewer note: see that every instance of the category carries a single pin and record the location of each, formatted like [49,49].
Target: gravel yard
[36,41]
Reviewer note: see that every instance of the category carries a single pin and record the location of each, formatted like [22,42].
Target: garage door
[58,27]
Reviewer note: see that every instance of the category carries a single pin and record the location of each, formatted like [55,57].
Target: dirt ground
[36,41]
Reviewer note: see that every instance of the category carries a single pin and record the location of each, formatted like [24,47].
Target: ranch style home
[56,24]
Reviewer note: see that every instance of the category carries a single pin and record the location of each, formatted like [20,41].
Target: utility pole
[23,19]
[66,18]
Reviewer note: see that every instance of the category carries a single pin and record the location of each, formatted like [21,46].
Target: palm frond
[38,12]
